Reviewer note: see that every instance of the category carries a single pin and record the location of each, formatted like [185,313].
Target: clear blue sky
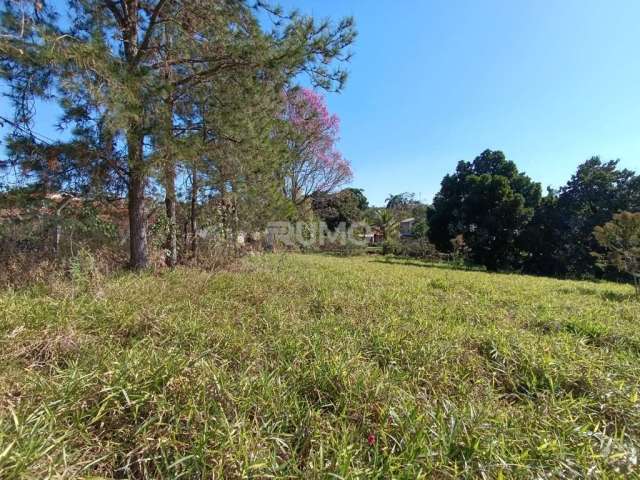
[549,82]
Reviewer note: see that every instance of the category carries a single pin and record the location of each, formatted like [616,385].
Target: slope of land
[314,365]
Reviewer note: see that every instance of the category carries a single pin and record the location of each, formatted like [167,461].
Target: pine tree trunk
[170,205]
[138,259]
[57,233]
[171,243]
[194,212]
[236,219]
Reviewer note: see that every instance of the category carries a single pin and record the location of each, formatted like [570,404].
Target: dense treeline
[505,223]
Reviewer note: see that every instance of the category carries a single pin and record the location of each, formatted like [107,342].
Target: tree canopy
[560,237]
[620,238]
[346,207]
[488,202]
[316,165]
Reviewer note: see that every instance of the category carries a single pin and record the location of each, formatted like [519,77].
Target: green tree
[542,239]
[620,238]
[400,201]
[404,205]
[421,228]
[361,199]
[560,239]
[345,207]
[386,221]
[490,203]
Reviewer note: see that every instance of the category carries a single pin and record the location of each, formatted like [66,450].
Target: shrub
[419,248]
[389,247]
[348,249]
[621,239]
[39,239]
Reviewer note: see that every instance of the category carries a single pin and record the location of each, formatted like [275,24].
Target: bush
[390,247]
[621,239]
[413,248]
[39,240]
[348,249]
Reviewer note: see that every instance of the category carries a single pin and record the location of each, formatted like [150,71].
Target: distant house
[406,227]
[374,236]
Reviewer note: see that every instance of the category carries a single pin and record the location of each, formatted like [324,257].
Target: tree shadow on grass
[341,254]
[605,295]
[619,297]
[441,265]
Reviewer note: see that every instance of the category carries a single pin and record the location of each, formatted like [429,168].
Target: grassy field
[320,367]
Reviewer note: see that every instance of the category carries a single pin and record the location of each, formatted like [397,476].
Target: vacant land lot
[310,365]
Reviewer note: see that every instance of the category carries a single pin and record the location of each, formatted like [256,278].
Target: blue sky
[550,83]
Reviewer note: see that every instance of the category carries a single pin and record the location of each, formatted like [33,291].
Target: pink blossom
[317,165]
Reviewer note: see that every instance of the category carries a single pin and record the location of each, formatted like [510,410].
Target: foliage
[400,201]
[460,252]
[361,199]
[621,239]
[406,205]
[385,220]
[315,164]
[505,224]
[490,203]
[415,247]
[345,207]
[40,234]
[390,246]
[62,166]
[420,228]
[314,366]
[560,237]
[542,241]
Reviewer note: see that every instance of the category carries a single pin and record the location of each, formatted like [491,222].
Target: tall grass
[320,367]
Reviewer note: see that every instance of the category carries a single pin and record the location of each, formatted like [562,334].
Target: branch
[147,35]
[113,8]
[209,72]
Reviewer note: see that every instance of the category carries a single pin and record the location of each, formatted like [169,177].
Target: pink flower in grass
[371,439]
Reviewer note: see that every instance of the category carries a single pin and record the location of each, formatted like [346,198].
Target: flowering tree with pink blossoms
[316,166]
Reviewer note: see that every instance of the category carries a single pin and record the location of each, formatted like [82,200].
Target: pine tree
[114,63]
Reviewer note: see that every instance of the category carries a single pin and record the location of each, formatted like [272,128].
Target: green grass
[320,367]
